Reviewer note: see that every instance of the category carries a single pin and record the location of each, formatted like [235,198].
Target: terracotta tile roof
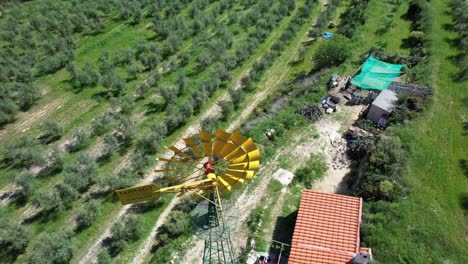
[327,229]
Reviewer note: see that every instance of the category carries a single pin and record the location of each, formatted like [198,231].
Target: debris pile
[311,112]
[411,89]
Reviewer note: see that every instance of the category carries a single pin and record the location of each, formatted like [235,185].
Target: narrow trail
[36,114]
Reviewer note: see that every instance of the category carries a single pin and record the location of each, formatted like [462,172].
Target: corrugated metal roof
[327,229]
[386,100]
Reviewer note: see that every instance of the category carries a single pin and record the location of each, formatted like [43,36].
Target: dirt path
[26,119]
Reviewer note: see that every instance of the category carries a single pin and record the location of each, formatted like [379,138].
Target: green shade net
[376,74]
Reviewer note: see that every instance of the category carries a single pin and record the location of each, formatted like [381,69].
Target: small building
[382,106]
[327,230]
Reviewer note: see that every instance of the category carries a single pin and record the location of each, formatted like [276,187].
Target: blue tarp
[327,35]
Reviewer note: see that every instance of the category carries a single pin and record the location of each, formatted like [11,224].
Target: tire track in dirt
[26,119]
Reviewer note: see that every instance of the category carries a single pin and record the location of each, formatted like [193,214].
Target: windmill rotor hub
[208,167]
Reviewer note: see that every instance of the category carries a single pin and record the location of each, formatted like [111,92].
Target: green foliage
[353,17]
[227,108]
[312,171]
[56,247]
[139,160]
[14,237]
[26,181]
[79,140]
[81,173]
[49,201]
[24,152]
[51,131]
[111,145]
[332,52]
[382,176]
[104,257]
[177,224]
[101,123]
[210,124]
[88,213]
[153,138]
[66,193]
[237,96]
[124,231]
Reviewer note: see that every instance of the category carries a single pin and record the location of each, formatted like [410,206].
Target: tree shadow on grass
[464,202]
[43,216]
[153,108]
[464,166]
[99,96]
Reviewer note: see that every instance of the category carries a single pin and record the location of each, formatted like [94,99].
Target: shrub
[104,257]
[81,173]
[332,52]
[56,247]
[51,131]
[26,181]
[88,213]
[49,200]
[13,236]
[314,169]
[24,152]
[227,108]
[128,229]
[79,140]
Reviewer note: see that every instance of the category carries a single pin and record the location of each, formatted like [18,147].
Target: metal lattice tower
[218,246]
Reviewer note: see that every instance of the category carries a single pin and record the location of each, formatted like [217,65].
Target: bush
[104,257]
[88,213]
[79,140]
[26,181]
[81,173]
[51,131]
[314,169]
[126,230]
[382,175]
[49,201]
[111,145]
[14,237]
[24,152]
[332,52]
[56,247]
[227,108]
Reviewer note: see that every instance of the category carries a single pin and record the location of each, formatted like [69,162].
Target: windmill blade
[237,138]
[180,153]
[205,138]
[228,148]
[166,170]
[236,153]
[176,161]
[247,175]
[189,142]
[223,186]
[235,182]
[221,139]
[254,165]
[249,145]
[249,157]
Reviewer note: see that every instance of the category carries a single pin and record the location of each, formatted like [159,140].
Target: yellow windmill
[209,167]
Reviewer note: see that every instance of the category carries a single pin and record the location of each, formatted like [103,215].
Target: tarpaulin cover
[327,35]
[376,74]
